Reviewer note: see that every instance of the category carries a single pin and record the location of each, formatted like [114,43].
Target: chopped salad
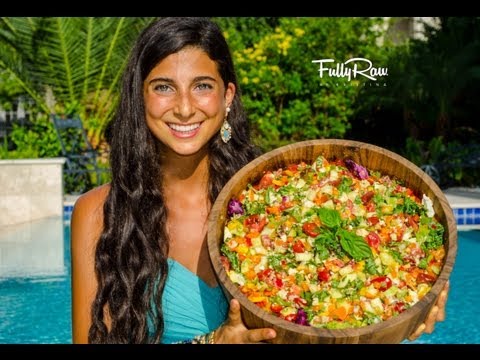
[332,244]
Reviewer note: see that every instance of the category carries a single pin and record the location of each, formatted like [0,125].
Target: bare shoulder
[86,227]
[93,199]
[87,215]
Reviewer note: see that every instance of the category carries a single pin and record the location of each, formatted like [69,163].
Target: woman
[140,266]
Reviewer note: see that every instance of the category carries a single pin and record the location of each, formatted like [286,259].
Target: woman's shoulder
[88,209]
[93,198]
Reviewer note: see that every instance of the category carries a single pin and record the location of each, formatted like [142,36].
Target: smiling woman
[179,134]
[186,100]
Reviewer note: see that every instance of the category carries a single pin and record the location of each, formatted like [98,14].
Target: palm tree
[69,64]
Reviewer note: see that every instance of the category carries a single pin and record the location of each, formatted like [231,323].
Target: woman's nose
[184,108]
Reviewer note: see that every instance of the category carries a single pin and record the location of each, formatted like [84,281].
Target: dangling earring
[226,130]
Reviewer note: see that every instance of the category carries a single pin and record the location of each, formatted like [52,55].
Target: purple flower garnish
[234,207]
[301,318]
[358,170]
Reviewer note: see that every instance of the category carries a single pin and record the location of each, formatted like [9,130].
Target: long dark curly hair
[131,255]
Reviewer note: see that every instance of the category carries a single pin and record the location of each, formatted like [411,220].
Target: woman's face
[186,100]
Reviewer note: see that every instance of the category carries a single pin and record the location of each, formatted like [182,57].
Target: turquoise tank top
[190,306]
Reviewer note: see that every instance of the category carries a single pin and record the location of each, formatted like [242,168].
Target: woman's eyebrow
[162,79]
[171,81]
[203,78]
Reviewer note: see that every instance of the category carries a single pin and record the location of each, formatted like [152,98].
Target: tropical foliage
[284,95]
[69,64]
[426,109]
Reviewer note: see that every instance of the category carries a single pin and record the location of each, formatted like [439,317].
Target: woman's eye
[204,86]
[162,88]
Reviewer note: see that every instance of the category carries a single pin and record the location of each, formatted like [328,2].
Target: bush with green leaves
[38,140]
[284,96]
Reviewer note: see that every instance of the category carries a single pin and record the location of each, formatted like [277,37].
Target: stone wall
[30,189]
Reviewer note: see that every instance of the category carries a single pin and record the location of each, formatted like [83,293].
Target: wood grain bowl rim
[412,315]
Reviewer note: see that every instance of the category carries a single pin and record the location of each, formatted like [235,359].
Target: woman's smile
[186,100]
[184,130]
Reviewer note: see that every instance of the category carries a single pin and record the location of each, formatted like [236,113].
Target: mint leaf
[329,217]
[354,245]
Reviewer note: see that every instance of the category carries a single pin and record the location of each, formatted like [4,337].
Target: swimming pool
[37,309]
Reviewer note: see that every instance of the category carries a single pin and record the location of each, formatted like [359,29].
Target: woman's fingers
[259,335]
[238,333]
[234,314]
[417,332]
[442,302]
[431,320]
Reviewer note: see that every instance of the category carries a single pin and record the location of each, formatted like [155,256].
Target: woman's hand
[437,313]
[233,331]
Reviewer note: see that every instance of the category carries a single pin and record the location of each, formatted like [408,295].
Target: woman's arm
[86,226]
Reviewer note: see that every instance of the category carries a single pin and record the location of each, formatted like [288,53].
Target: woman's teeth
[184,128]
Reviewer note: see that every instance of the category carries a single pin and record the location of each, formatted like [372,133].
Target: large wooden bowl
[393,330]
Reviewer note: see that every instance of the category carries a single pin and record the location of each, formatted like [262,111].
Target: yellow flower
[274,68]
[299,32]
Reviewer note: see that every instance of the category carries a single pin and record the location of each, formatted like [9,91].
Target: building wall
[30,189]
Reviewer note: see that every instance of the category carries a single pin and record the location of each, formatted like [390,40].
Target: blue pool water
[37,310]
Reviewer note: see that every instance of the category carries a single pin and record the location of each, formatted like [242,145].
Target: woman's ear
[229,94]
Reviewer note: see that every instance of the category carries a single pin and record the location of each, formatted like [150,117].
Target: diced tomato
[425,278]
[367,197]
[276,308]
[399,306]
[338,162]
[286,205]
[300,301]
[323,275]
[373,220]
[292,167]
[298,247]
[413,221]
[255,223]
[264,274]
[336,182]
[266,180]
[381,283]
[373,239]
[262,304]
[370,207]
[398,189]
[225,262]
[310,229]
[291,317]
[278,282]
